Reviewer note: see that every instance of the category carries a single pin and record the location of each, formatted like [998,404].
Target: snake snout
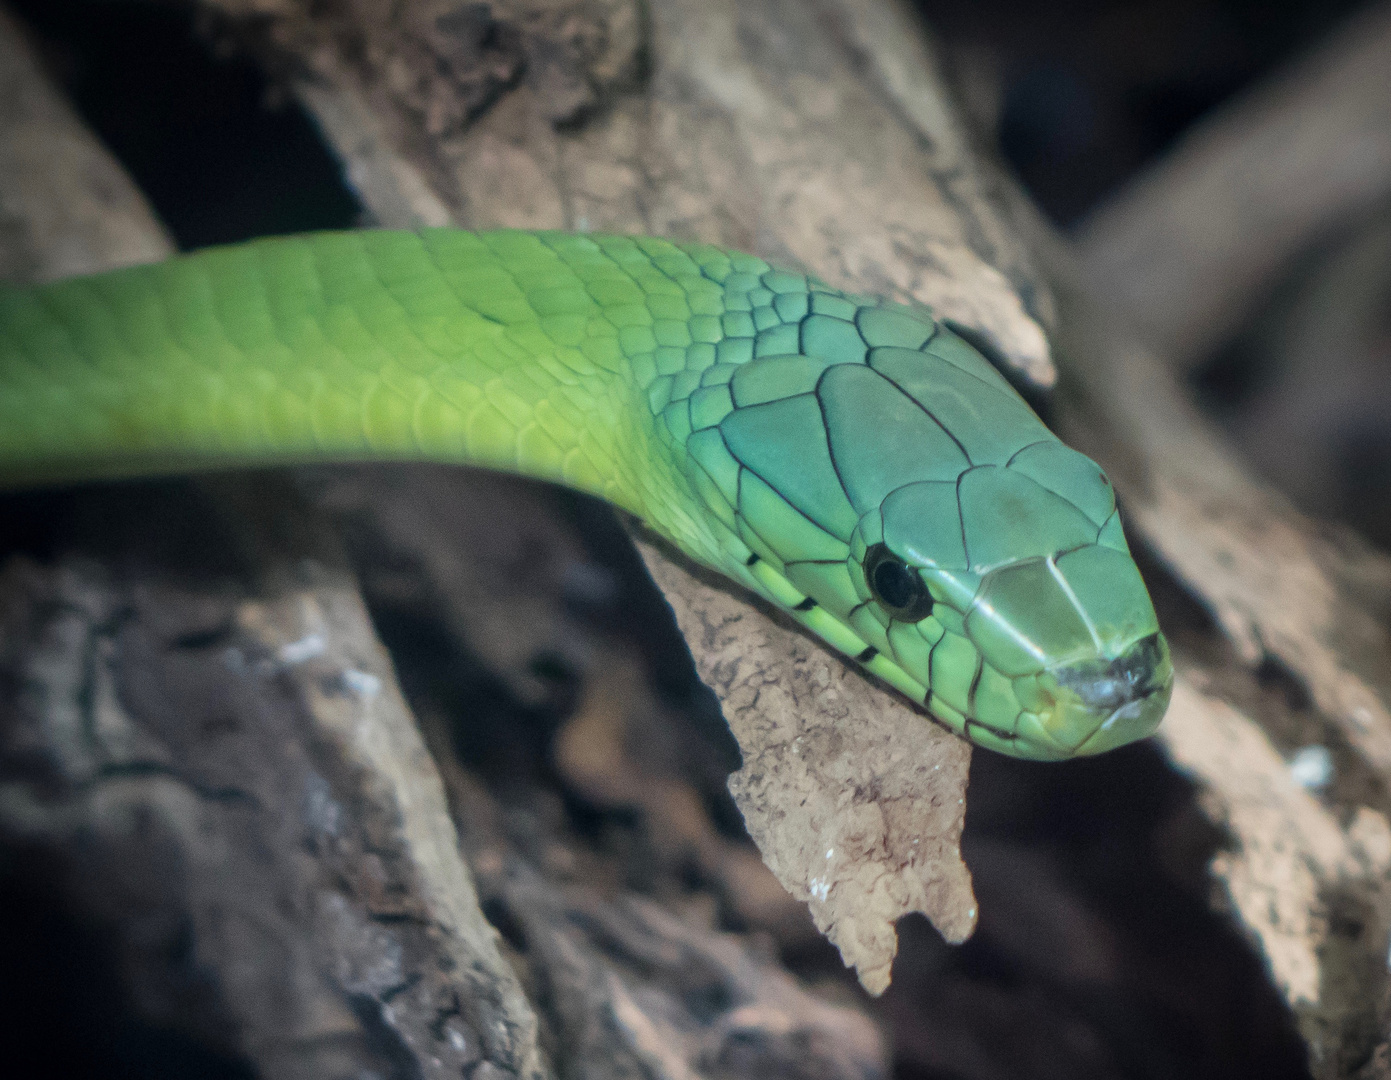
[1110,701]
[1109,684]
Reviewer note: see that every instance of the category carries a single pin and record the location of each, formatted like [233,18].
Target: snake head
[1023,617]
[886,486]
[1074,632]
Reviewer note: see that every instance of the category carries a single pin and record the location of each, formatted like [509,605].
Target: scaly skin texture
[850,460]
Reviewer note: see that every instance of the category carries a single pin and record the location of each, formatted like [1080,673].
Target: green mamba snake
[852,461]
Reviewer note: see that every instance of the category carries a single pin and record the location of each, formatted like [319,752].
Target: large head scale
[888,487]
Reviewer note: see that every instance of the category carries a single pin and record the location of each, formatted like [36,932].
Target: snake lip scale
[851,460]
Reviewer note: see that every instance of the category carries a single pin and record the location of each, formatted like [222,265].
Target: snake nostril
[1106,685]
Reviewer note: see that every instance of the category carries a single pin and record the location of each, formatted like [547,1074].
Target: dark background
[1092,90]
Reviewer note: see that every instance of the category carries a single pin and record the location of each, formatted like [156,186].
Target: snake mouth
[1102,703]
[1109,684]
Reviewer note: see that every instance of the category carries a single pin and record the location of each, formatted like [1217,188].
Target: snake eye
[896,585]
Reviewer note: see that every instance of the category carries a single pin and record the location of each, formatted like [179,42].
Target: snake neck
[562,357]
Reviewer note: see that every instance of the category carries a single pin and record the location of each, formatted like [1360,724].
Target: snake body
[852,461]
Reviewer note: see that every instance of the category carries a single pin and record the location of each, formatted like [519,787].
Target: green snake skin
[850,460]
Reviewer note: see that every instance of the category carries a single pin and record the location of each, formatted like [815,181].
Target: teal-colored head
[883,483]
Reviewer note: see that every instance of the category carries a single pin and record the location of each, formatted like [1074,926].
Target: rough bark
[854,804]
[65,205]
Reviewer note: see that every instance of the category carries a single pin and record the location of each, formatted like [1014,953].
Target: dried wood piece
[511,566]
[235,788]
[633,987]
[630,982]
[855,799]
[444,62]
[898,58]
[1189,249]
[1311,891]
[345,678]
[66,207]
[395,190]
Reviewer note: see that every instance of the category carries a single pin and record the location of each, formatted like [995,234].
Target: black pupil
[896,585]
